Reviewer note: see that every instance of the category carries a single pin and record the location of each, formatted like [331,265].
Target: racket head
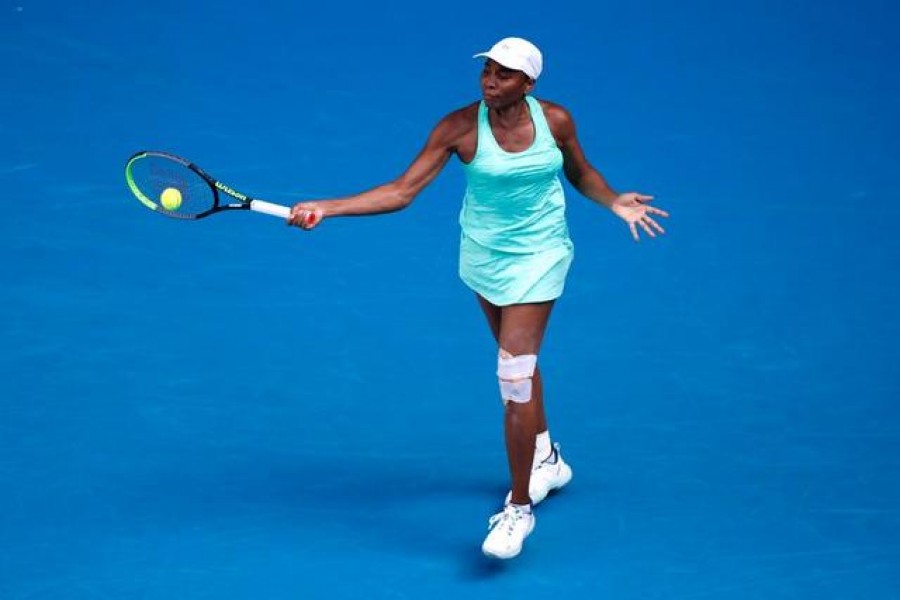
[150,173]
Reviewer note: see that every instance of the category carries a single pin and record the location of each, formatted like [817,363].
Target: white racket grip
[276,210]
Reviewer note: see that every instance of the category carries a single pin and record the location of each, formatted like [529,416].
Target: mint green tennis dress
[515,245]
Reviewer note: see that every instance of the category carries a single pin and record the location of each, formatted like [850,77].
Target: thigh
[493,314]
[522,327]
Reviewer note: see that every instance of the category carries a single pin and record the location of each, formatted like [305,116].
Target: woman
[515,250]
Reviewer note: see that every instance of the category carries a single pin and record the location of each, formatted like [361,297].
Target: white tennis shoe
[547,475]
[508,530]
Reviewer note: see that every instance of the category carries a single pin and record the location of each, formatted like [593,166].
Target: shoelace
[507,518]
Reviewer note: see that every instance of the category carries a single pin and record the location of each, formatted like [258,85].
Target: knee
[515,374]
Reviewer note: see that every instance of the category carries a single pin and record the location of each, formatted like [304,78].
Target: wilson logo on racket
[230,191]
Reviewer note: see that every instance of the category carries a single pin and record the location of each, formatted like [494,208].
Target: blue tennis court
[237,409]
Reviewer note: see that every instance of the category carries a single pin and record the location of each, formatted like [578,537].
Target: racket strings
[155,174]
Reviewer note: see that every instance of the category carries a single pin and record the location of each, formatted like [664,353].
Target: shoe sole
[514,554]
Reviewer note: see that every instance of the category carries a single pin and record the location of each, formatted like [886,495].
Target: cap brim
[500,62]
[496,60]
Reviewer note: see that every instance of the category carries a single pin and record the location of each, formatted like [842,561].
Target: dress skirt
[504,278]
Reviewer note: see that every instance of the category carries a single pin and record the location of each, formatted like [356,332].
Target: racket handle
[268,208]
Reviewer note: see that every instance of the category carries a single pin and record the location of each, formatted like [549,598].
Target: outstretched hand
[306,215]
[634,210]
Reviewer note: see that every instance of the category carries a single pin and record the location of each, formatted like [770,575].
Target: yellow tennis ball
[170,199]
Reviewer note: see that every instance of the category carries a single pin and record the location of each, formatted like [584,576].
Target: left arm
[630,206]
[580,173]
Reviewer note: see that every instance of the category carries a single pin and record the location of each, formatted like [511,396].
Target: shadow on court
[379,503]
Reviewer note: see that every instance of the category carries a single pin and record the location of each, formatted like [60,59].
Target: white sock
[542,446]
[525,508]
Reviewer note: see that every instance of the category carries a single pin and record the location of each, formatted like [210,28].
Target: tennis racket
[175,187]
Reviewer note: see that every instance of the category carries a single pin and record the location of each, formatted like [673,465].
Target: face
[501,86]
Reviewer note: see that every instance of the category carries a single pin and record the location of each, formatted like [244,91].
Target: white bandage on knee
[515,373]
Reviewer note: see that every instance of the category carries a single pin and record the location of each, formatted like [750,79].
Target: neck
[511,113]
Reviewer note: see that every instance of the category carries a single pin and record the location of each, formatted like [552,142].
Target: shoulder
[558,117]
[461,118]
[455,126]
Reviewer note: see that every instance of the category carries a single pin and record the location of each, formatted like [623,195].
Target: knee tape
[515,373]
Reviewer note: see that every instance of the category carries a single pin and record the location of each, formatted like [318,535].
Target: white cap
[517,54]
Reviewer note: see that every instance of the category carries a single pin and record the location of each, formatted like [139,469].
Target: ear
[529,86]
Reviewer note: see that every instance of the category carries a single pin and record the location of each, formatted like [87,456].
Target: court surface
[236,409]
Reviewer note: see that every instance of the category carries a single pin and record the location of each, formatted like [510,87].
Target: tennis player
[515,249]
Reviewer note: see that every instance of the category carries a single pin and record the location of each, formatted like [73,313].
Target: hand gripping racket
[175,187]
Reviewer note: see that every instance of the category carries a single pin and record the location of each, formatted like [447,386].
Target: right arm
[397,194]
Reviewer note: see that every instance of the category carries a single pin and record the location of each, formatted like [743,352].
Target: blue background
[235,409]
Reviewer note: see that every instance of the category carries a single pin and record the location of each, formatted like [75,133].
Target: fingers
[654,224]
[305,216]
[312,218]
[294,217]
[646,223]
